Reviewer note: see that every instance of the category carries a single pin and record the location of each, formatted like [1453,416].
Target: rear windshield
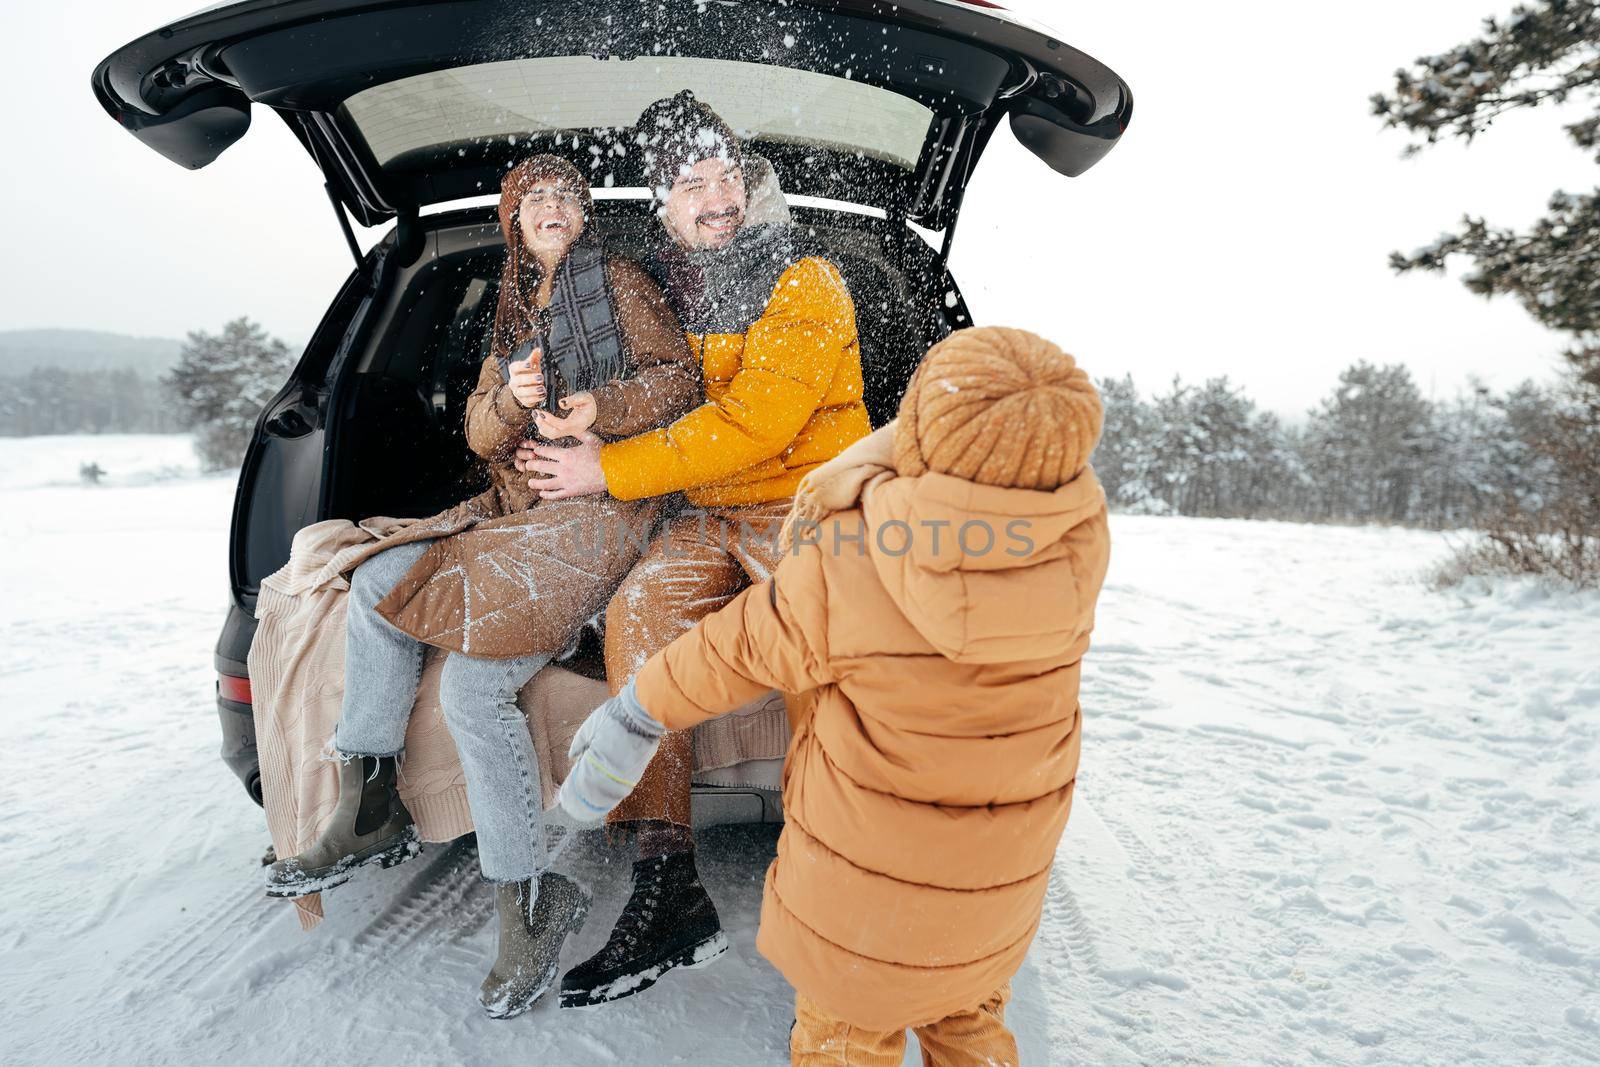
[428,114]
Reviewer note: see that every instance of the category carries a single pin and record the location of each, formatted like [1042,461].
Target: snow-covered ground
[1325,816]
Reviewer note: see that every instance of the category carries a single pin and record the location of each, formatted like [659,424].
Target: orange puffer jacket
[932,765]
[781,398]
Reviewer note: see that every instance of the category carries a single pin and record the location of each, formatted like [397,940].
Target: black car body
[874,115]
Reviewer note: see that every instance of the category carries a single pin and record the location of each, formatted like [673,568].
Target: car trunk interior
[396,442]
[406,105]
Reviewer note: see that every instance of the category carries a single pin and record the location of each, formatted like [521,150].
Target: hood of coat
[765,203]
[987,574]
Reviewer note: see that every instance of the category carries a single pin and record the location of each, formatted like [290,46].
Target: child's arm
[773,635]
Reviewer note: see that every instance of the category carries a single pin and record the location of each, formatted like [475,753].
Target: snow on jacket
[297,672]
[511,574]
[782,397]
[931,770]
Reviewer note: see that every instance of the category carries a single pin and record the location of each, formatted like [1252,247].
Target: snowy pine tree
[1461,476]
[1367,445]
[222,382]
[1223,480]
[1279,482]
[1123,461]
[1545,52]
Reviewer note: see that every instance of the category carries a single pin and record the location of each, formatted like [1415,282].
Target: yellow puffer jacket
[781,398]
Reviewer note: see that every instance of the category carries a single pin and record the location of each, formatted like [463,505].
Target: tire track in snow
[1143,862]
[444,893]
[443,900]
[1073,926]
[1101,943]
[208,940]
[1103,869]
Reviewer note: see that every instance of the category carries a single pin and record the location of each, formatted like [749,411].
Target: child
[934,623]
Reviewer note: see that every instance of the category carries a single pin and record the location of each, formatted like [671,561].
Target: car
[873,114]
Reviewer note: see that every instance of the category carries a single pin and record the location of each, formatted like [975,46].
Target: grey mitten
[609,754]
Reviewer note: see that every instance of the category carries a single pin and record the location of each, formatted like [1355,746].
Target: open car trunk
[406,104]
[372,421]
[410,104]
[879,109]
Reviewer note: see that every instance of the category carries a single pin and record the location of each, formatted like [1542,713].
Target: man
[775,332]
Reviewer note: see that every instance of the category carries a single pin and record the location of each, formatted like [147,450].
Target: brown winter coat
[928,783]
[936,733]
[510,574]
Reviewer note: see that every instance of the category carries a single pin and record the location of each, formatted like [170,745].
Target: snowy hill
[22,350]
[1324,817]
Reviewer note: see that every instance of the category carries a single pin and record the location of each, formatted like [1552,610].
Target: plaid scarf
[578,331]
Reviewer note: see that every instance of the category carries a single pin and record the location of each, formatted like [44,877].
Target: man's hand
[581,412]
[527,380]
[574,471]
[610,753]
[524,456]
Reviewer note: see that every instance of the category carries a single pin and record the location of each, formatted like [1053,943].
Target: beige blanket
[297,685]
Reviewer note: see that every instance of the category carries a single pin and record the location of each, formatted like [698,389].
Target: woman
[505,581]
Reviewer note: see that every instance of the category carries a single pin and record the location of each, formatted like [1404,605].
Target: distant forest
[1373,450]
[85,381]
[80,381]
[1518,467]
[50,400]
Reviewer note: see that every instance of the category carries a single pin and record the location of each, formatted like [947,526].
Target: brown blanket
[297,684]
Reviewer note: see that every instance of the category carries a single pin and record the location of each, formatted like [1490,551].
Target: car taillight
[234,689]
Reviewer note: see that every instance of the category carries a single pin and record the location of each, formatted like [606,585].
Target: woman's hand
[527,380]
[580,415]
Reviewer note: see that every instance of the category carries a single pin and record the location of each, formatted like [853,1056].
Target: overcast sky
[1241,227]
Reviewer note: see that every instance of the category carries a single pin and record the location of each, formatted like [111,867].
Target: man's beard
[733,213]
[723,289]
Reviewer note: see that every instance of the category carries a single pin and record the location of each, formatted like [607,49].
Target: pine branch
[1546,52]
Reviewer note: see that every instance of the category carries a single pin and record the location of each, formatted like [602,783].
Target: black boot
[668,922]
[530,942]
[370,825]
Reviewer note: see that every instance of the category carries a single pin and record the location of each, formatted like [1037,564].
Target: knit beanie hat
[527,176]
[680,131]
[999,407]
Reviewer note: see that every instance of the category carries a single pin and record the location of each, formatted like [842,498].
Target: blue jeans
[479,697]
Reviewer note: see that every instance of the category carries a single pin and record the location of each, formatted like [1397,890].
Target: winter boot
[370,825]
[530,942]
[668,922]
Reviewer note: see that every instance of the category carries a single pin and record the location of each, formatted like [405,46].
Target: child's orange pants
[976,1036]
